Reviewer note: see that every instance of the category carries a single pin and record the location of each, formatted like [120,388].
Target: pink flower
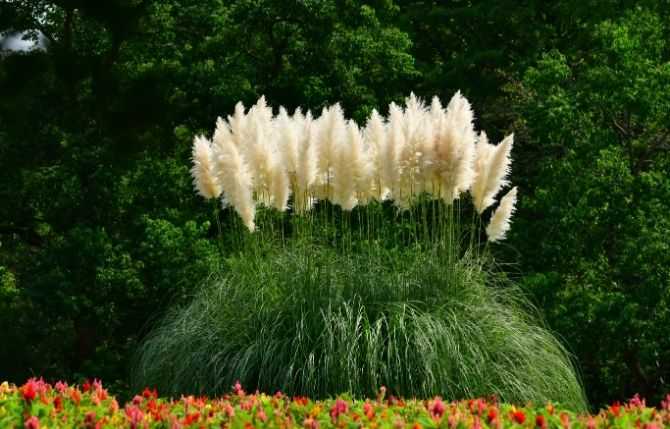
[134,415]
[476,424]
[591,424]
[437,408]
[340,407]
[32,423]
[636,402]
[260,415]
[666,404]
[237,388]
[228,410]
[310,423]
[60,386]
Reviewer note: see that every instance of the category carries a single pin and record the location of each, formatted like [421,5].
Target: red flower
[28,390]
[437,408]
[150,393]
[32,423]
[75,396]
[493,414]
[540,421]
[301,400]
[369,410]
[190,419]
[518,416]
[58,403]
[340,407]
[565,420]
[615,409]
[90,420]
[86,386]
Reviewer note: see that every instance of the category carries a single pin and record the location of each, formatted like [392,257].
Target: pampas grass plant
[374,280]
[313,321]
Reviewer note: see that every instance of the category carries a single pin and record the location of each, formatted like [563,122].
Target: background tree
[100,231]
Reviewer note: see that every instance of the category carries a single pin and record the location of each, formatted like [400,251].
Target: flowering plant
[37,404]
[255,158]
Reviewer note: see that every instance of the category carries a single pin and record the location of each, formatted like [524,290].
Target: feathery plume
[346,168]
[238,124]
[500,221]
[492,166]
[409,158]
[454,150]
[332,128]
[236,181]
[395,141]
[375,143]
[204,169]
[307,168]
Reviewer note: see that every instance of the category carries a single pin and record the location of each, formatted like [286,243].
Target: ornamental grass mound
[358,258]
[311,321]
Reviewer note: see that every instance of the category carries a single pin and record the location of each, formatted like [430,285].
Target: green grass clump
[313,320]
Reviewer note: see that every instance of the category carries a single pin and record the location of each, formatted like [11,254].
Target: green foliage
[318,319]
[594,231]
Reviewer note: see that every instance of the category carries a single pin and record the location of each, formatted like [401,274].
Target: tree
[593,229]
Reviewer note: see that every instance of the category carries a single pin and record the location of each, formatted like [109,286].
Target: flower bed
[37,404]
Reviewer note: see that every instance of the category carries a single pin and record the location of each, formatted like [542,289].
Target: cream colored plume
[204,170]
[238,124]
[409,157]
[390,153]
[416,150]
[287,129]
[375,142]
[492,166]
[500,221]
[332,131]
[307,170]
[235,179]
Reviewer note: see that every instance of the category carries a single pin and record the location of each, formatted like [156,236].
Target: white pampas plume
[238,124]
[259,151]
[410,155]
[307,168]
[492,166]
[332,128]
[465,172]
[454,149]
[375,142]
[500,221]
[235,179]
[347,165]
[395,141]
[279,185]
[436,110]
[204,172]
[287,129]
[425,144]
